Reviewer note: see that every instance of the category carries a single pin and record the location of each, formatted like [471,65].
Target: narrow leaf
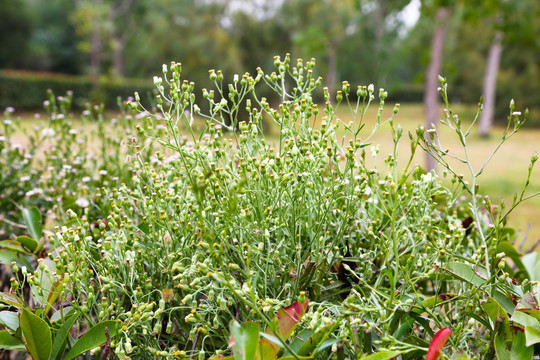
[383,355]
[61,336]
[93,337]
[37,335]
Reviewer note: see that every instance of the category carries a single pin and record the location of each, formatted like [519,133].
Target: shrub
[25,90]
[224,223]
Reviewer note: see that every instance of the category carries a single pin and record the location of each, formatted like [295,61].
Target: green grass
[502,178]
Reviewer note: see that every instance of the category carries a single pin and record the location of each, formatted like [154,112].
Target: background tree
[15,33]
[317,30]
[441,10]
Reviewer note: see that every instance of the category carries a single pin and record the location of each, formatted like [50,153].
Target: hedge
[25,90]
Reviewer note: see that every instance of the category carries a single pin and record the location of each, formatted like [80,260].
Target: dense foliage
[363,41]
[25,90]
[309,235]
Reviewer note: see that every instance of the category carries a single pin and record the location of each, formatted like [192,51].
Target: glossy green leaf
[10,299]
[523,319]
[435,300]
[265,350]
[509,250]
[521,350]
[60,339]
[32,218]
[37,335]
[501,349]
[461,356]
[532,335]
[531,261]
[9,319]
[244,340]
[9,256]
[306,342]
[531,312]
[11,245]
[47,288]
[299,340]
[383,355]
[10,342]
[504,301]
[92,338]
[28,242]
[475,276]
[65,313]
[404,329]
[498,317]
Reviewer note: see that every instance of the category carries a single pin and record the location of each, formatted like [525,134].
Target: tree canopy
[364,41]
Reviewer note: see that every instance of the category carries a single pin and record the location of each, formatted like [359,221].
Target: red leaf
[287,319]
[437,343]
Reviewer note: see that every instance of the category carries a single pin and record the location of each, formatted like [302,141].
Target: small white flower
[103,172]
[10,109]
[25,178]
[86,179]
[7,122]
[516,113]
[427,178]
[48,132]
[82,202]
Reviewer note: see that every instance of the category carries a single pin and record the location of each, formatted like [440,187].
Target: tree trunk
[332,68]
[431,95]
[490,85]
[95,56]
[118,55]
[381,14]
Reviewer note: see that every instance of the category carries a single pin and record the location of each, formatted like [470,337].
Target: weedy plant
[225,226]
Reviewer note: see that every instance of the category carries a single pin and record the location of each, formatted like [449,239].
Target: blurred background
[103,49]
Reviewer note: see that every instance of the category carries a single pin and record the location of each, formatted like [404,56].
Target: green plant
[225,222]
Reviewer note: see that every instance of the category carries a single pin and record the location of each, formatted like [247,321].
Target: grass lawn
[502,178]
